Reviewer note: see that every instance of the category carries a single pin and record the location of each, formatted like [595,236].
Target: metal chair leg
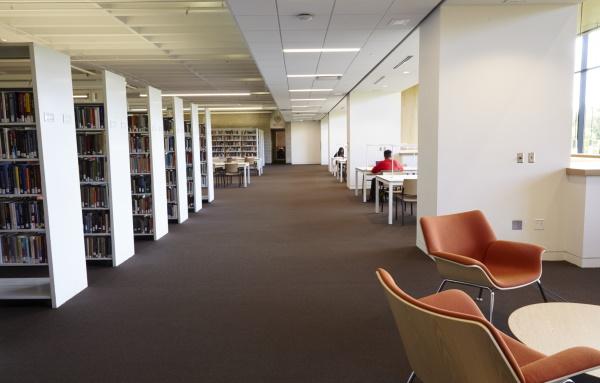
[491,304]
[539,283]
[411,377]
[480,296]
[442,286]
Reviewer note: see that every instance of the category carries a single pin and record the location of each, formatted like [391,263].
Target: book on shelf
[97,247]
[89,116]
[17,143]
[96,222]
[141,204]
[21,215]
[17,107]
[138,123]
[143,225]
[20,179]
[23,249]
[141,184]
[94,197]
[90,144]
[139,164]
[92,169]
[139,144]
[172,211]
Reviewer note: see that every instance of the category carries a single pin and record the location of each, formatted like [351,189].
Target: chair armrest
[562,365]
[466,261]
[518,253]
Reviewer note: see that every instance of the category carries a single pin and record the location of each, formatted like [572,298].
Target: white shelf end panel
[159,177]
[196,152]
[182,200]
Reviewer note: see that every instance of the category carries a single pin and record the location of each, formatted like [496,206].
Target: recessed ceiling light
[239,108]
[401,22]
[305,16]
[384,86]
[206,94]
[80,96]
[313,75]
[406,72]
[261,92]
[310,90]
[308,99]
[320,50]
[143,95]
[3,39]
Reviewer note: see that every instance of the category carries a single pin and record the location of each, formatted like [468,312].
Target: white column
[197,174]
[157,148]
[496,81]
[374,119]
[182,201]
[115,104]
[209,156]
[325,140]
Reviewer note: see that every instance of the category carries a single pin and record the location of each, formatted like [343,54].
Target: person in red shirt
[388,164]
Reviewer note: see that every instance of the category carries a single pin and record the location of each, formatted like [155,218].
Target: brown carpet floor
[274,283]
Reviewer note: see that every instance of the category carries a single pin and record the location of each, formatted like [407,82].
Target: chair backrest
[410,187]
[449,347]
[229,159]
[231,167]
[468,234]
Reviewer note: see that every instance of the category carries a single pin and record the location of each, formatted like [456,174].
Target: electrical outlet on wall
[539,224]
[519,158]
[517,224]
[531,157]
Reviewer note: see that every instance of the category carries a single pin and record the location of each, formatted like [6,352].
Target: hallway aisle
[274,283]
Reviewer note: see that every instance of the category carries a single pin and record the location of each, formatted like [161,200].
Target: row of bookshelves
[98,248]
[18,249]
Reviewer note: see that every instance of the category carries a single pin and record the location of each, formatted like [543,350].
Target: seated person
[339,153]
[388,164]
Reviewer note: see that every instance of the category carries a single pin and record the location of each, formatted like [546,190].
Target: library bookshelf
[147,169]
[207,149]
[195,173]
[102,137]
[175,160]
[41,241]
[239,143]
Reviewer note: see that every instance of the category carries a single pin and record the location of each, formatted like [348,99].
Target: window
[586,95]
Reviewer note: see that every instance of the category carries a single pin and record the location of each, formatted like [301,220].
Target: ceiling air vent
[406,59]
[379,80]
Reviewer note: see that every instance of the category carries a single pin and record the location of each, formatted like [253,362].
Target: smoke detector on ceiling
[305,16]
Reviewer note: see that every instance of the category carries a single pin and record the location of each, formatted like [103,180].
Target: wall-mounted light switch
[531,157]
[519,158]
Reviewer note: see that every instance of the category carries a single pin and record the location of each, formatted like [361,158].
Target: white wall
[338,127]
[374,118]
[499,83]
[325,141]
[306,142]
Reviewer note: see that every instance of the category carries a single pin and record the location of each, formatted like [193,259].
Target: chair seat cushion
[508,276]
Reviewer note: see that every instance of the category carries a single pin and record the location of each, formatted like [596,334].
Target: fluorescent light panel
[310,90]
[206,94]
[313,75]
[321,50]
[308,99]
[80,96]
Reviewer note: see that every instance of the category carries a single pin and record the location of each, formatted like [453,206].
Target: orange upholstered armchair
[467,252]
[448,340]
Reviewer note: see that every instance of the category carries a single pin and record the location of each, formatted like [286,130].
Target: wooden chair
[232,169]
[466,251]
[408,195]
[448,340]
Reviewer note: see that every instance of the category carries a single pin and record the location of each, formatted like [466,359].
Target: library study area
[300,191]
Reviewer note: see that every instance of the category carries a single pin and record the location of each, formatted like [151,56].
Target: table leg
[245,180]
[248,169]
[390,204]
[356,183]
[364,188]
[376,195]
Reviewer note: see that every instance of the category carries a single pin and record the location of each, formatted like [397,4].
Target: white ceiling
[269,26]
[176,46]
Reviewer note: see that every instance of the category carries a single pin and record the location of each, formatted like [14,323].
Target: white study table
[341,162]
[366,175]
[555,326]
[240,164]
[391,181]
